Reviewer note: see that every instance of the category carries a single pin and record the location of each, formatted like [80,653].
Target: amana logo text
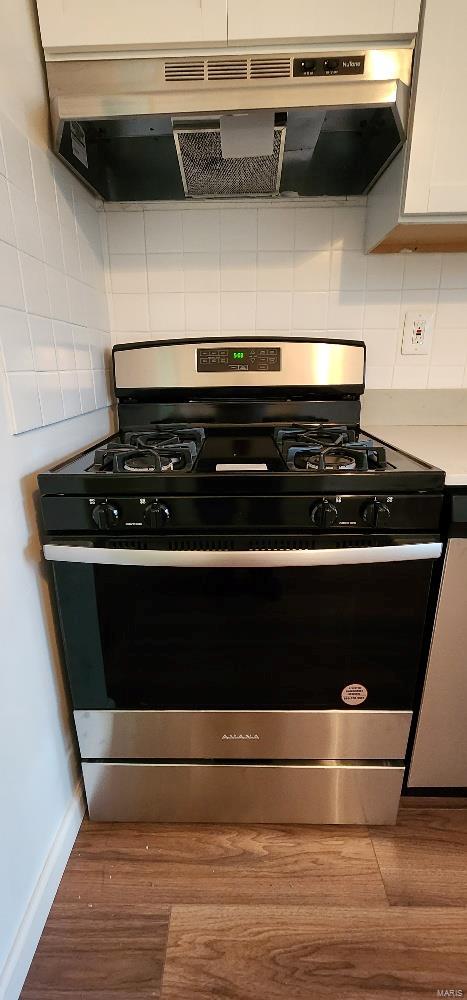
[240,736]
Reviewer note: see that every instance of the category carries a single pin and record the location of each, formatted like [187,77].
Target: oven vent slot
[226,543]
[227,69]
[210,544]
[184,69]
[268,69]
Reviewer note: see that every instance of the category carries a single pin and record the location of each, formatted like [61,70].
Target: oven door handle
[267,559]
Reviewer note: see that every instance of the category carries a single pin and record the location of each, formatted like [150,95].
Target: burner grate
[328,448]
[171,448]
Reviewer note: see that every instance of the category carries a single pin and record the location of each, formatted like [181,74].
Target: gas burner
[328,448]
[170,448]
[315,434]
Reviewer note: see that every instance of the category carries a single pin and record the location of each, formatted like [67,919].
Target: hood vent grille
[235,68]
[184,69]
[227,69]
[266,69]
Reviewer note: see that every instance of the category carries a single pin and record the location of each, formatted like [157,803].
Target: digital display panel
[238,359]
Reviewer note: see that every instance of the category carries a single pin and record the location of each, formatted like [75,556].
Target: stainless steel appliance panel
[302,364]
[440,750]
[243,793]
[323,735]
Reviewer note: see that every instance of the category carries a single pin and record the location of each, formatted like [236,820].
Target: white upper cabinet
[273,21]
[437,164]
[87,25]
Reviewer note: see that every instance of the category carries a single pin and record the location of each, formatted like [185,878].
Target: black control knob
[106,516]
[331,65]
[324,514]
[376,514]
[156,515]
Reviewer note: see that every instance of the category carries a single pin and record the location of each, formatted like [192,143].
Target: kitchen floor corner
[159,912]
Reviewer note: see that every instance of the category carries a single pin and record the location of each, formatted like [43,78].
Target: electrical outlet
[418,329]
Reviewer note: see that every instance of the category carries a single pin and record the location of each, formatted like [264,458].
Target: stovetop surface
[293,457]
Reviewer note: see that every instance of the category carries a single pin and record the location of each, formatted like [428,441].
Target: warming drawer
[243,793]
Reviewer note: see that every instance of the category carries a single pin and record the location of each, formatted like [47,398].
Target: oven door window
[155,638]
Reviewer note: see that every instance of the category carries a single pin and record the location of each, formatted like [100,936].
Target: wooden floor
[260,913]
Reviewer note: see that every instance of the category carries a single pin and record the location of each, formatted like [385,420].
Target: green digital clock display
[239,355]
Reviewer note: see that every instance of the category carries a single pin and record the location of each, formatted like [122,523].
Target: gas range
[239,505]
[147,478]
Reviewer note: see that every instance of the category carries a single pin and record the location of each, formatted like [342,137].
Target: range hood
[227,126]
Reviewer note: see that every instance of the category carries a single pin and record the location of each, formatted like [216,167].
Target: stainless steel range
[243,578]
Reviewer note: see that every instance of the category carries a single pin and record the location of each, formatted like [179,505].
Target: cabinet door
[437,166]
[312,20]
[86,25]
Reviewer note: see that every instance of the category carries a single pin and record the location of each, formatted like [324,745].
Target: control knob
[324,514]
[156,515]
[375,514]
[331,64]
[106,515]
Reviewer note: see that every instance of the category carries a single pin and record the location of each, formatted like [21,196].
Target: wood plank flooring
[265,912]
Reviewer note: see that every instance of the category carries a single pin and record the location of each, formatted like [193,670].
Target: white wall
[278,268]
[50,257]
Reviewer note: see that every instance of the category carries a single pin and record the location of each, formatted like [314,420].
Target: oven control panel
[144,514]
[238,359]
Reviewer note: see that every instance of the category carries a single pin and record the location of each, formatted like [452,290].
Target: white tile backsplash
[348,228]
[126,232]
[165,272]
[70,393]
[238,311]
[64,346]
[202,311]
[11,287]
[25,405]
[312,269]
[15,339]
[313,228]
[86,391]
[128,273]
[275,271]
[285,268]
[26,221]
[454,270]
[7,230]
[51,256]
[384,272]
[238,271]
[310,311]
[239,229]
[201,231]
[273,267]
[348,270]
[35,285]
[167,312]
[276,228]
[43,344]
[50,395]
[17,158]
[58,294]
[201,272]
[2,155]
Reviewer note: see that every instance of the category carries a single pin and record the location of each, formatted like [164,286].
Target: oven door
[279,653]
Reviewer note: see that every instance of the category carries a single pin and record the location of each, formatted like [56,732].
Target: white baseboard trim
[16,967]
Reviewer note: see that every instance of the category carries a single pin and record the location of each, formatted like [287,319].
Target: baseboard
[16,967]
